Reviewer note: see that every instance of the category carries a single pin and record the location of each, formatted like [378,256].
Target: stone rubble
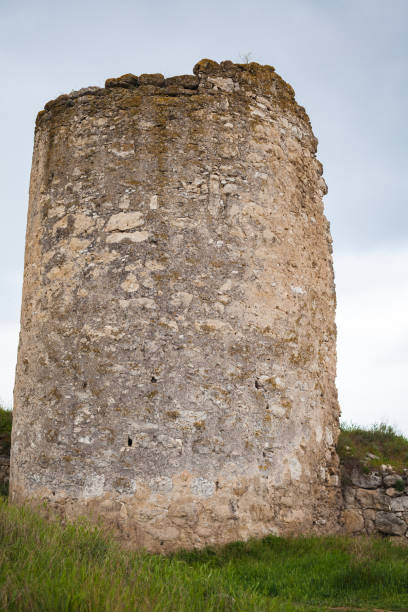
[372,503]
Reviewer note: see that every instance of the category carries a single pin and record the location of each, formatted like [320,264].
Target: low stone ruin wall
[4,470]
[375,503]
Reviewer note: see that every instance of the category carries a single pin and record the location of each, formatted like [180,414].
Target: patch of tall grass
[46,566]
[358,444]
[5,430]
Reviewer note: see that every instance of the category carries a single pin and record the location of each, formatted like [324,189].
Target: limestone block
[353,521]
[126,80]
[399,504]
[391,479]
[389,523]
[375,499]
[125,221]
[188,81]
[369,514]
[372,480]
[391,492]
[349,496]
[151,79]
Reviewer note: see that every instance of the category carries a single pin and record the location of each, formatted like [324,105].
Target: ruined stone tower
[177,354]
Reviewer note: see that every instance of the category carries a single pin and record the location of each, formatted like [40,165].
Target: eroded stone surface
[177,354]
[384,508]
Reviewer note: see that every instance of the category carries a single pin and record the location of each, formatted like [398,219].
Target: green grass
[47,567]
[5,440]
[381,440]
[5,430]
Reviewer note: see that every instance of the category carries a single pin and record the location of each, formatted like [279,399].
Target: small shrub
[6,417]
[4,488]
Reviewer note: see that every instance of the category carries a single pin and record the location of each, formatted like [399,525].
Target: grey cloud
[347,61]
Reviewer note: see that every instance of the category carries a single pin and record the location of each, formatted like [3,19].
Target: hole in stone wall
[153,379]
[130,441]
[257,385]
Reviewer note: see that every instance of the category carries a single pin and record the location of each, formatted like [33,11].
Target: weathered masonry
[177,356]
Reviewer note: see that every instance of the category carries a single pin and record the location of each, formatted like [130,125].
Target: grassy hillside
[370,447]
[47,567]
[5,430]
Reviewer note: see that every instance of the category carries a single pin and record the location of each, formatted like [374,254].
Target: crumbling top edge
[209,77]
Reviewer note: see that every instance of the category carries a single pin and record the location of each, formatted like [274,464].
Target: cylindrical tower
[176,367]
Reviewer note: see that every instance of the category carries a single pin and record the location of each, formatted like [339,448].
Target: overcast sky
[347,61]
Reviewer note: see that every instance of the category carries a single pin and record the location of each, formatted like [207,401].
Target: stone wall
[176,368]
[4,471]
[375,503]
